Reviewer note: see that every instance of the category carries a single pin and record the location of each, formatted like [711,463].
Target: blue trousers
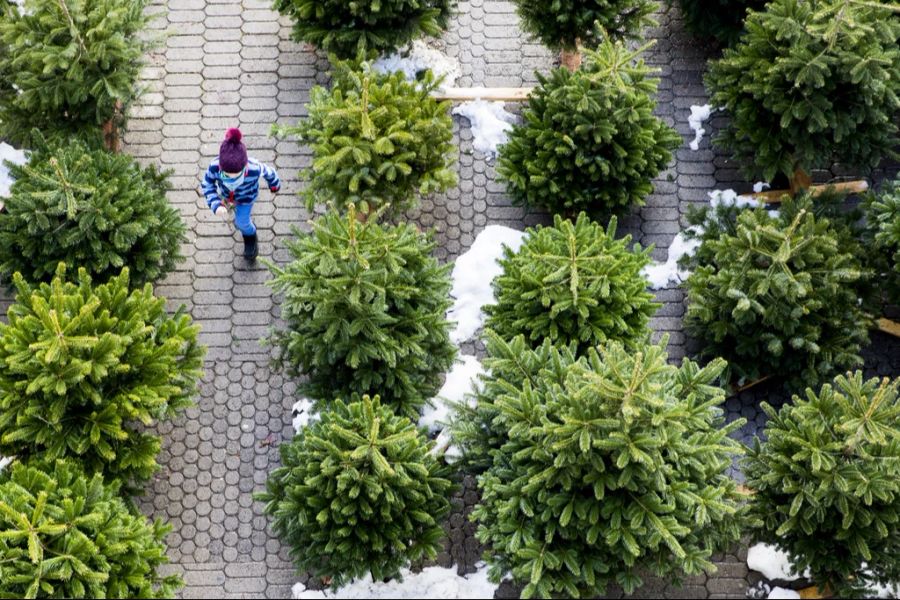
[242,219]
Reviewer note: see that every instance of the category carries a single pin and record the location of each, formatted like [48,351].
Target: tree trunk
[799,181]
[111,130]
[571,59]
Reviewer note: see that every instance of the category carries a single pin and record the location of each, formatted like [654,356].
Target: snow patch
[699,114]
[729,197]
[420,57]
[432,583]
[760,186]
[4,461]
[461,380]
[304,413]
[472,276]
[660,275]
[8,153]
[772,563]
[490,124]
[780,592]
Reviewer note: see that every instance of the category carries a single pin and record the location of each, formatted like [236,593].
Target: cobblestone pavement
[227,62]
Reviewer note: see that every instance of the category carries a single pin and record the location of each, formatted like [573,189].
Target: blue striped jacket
[216,193]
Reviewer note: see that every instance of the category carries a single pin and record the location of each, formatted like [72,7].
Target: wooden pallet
[501,94]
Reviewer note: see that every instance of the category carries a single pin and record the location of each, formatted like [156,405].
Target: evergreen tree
[64,534]
[377,139]
[812,81]
[883,236]
[67,66]
[827,483]
[365,307]
[621,468]
[719,19]
[563,24]
[92,209]
[82,367]
[589,139]
[359,493]
[351,28]
[778,296]
[573,283]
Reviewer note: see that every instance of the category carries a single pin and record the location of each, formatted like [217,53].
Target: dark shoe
[251,248]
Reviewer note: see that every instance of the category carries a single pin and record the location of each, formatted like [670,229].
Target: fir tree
[351,28]
[82,367]
[563,24]
[617,469]
[68,66]
[812,81]
[377,139]
[64,534]
[883,236]
[589,138]
[92,209]
[573,282]
[719,19]
[365,307]
[827,482]
[359,493]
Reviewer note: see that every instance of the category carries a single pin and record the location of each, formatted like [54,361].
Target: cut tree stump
[507,94]
[775,196]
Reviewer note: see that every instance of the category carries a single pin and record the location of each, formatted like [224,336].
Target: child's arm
[209,190]
[271,177]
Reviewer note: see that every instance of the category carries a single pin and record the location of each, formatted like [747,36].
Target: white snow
[699,114]
[779,592]
[418,58]
[729,197]
[303,413]
[9,153]
[4,461]
[490,124]
[432,583]
[771,562]
[660,275]
[461,380]
[759,186]
[472,276]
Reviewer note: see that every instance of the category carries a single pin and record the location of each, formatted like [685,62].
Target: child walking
[232,180]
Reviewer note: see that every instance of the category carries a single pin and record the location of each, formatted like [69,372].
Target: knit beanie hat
[232,152]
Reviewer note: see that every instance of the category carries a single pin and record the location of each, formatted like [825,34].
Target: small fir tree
[620,468]
[359,493]
[827,482]
[92,209]
[67,66]
[83,366]
[589,139]
[69,535]
[812,81]
[564,24]
[377,139]
[719,19]
[365,307]
[349,29]
[882,238]
[573,282]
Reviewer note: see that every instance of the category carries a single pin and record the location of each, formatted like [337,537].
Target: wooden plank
[888,326]
[775,196]
[508,94]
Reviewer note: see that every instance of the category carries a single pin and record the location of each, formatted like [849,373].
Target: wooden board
[888,326]
[775,196]
[483,93]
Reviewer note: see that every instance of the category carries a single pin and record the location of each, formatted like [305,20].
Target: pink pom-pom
[233,135]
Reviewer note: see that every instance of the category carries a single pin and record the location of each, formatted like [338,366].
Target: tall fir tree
[722,20]
[882,239]
[564,24]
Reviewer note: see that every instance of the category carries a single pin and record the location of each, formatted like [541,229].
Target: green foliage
[719,19]
[566,23]
[66,64]
[83,366]
[359,492]
[365,306]
[614,466]
[778,296]
[91,209]
[69,535]
[349,29]
[827,483]
[589,139]
[812,81]
[377,139]
[573,283]
[883,237]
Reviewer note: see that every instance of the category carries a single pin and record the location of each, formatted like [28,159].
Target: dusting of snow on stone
[771,562]
[785,594]
[461,380]
[660,275]
[490,124]
[8,153]
[304,413]
[699,114]
[420,57]
[729,197]
[760,186]
[433,583]
[472,276]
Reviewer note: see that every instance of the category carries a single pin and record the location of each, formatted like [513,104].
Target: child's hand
[222,213]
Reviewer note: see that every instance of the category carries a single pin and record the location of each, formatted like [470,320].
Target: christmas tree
[589,138]
[883,235]
[84,368]
[69,535]
[365,306]
[68,66]
[812,81]
[618,469]
[564,24]
[359,493]
[377,139]
[720,19]
[92,209]
[573,282]
[827,482]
